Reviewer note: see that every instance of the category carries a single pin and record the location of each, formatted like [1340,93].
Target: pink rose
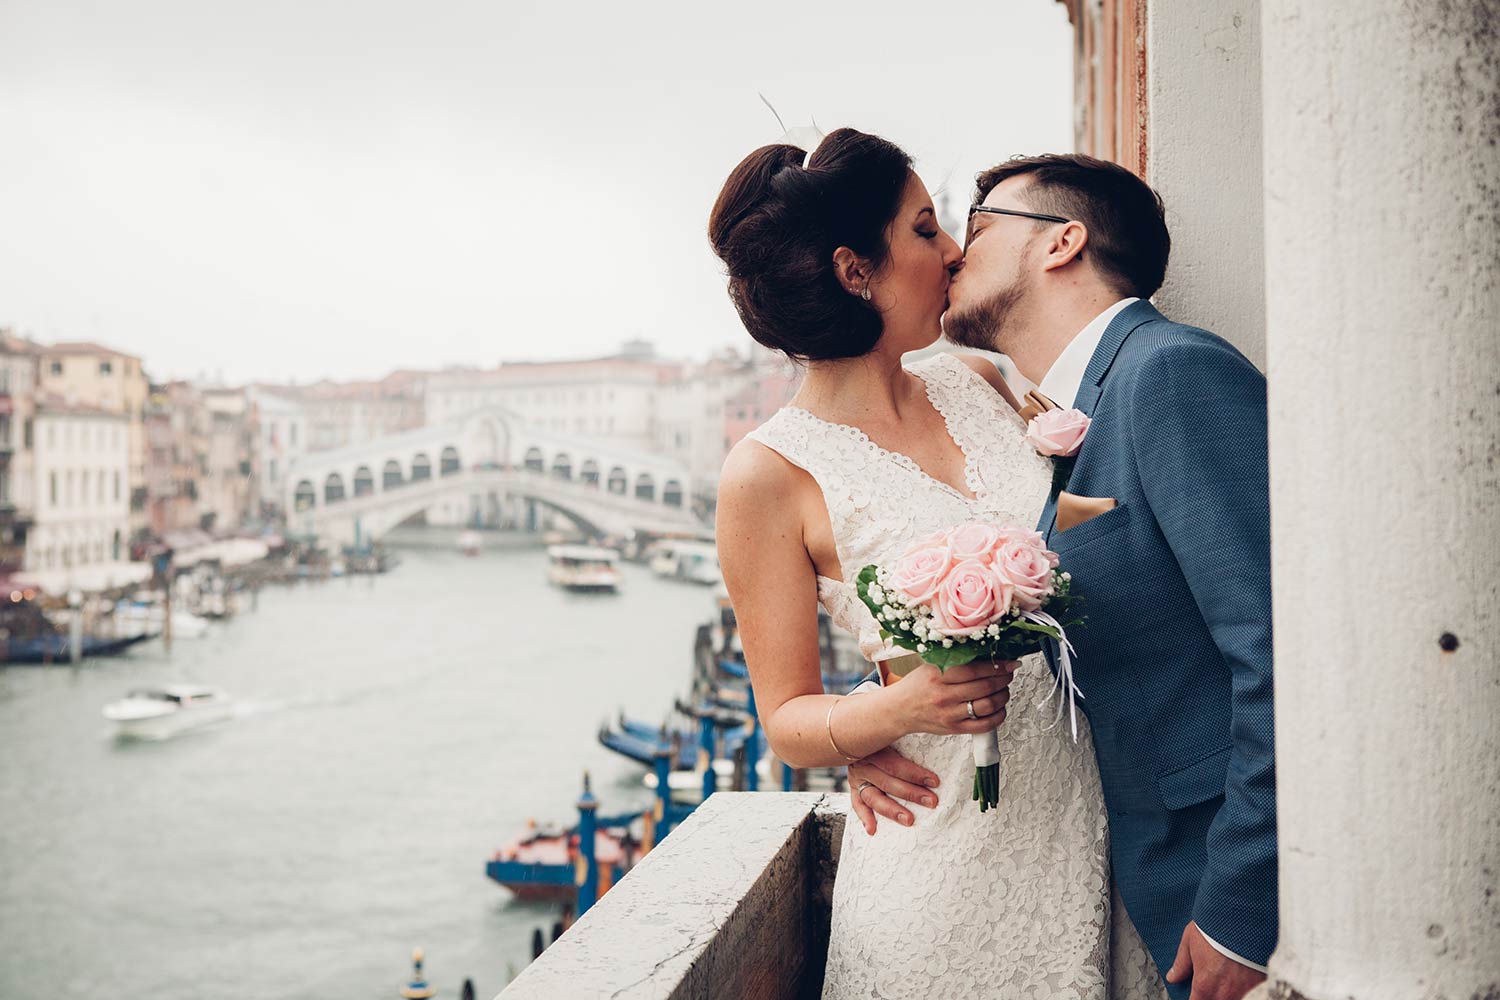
[975,540]
[917,575]
[970,597]
[1058,433]
[1033,538]
[1027,566]
[936,538]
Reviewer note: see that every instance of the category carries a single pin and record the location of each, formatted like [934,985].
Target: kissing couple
[1137,859]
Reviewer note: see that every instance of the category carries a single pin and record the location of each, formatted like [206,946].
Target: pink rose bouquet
[978,590]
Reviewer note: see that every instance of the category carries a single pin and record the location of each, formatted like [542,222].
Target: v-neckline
[904,460]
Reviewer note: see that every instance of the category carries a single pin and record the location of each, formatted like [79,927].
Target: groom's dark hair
[1125,218]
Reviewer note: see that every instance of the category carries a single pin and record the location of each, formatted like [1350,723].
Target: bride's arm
[774,589]
[764,507]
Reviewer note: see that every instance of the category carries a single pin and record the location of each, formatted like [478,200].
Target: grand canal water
[393,732]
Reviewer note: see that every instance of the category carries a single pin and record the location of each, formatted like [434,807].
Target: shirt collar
[1062,380]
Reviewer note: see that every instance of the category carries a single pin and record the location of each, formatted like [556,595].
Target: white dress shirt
[1062,380]
[1060,385]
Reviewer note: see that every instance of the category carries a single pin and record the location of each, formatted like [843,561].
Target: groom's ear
[852,270]
[1064,245]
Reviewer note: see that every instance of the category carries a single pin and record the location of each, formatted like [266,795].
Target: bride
[837,259]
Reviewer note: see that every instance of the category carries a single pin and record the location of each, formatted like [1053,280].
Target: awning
[229,552]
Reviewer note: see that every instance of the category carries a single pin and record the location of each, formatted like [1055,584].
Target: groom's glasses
[986,209]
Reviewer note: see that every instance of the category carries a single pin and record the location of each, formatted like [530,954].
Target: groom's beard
[979,328]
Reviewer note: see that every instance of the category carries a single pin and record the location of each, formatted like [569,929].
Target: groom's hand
[891,776]
[1215,975]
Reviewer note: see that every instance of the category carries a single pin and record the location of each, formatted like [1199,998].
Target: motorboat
[584,568]
[469,543]
[694,562]
[158,713]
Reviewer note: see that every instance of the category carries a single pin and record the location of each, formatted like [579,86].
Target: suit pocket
[1194,783]
[1094,527]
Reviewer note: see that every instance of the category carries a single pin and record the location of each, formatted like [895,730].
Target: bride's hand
[935,701]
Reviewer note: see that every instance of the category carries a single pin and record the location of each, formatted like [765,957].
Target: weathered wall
[1204,157]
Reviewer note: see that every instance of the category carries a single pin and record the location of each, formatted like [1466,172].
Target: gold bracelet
[828,724]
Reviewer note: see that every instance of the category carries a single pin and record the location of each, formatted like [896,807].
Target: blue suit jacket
[1174,661]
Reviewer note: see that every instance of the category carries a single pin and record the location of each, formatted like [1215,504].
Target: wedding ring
[970,706]
[860,791]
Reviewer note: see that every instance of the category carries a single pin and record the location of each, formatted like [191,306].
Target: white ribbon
[1062,681]
[986,748]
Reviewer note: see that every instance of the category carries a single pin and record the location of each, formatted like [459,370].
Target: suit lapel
[1119,330]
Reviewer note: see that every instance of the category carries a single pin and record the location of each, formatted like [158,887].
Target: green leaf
[957,656]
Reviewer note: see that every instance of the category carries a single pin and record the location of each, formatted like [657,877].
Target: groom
[1164,526]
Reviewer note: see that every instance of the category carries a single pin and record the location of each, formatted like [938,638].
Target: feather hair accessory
[802,136]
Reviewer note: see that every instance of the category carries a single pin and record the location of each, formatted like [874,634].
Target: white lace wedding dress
[1007,904]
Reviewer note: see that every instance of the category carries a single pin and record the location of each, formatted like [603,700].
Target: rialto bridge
[487,468]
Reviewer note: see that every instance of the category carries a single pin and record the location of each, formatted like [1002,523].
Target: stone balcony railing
[735,903]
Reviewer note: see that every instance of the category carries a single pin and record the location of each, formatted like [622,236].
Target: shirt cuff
[1216,946]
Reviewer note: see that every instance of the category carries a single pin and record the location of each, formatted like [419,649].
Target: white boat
[469,543]
[158,713]
[584,567]
[695,562]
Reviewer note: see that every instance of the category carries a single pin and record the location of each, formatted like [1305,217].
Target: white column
[1204,156]
[1383,294]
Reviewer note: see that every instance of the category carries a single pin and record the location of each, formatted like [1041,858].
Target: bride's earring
[865,294]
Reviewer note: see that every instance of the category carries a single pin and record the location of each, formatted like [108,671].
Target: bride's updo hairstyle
[776,225]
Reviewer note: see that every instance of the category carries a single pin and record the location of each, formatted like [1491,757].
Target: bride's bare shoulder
[991,374]
[757,480]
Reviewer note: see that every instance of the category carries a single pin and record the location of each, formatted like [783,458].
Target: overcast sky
[300,188]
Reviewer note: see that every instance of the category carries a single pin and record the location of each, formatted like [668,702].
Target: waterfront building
[280,425]
[691,414]
[227,495]
[347,414]
[18,361]
[171,481]
[81,486]
[613,399]
[93,375]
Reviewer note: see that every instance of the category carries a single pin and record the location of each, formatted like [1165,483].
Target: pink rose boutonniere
[1058,434]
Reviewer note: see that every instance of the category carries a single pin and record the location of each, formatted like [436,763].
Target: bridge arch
[448,462]
[535,460]
[562,466]
[588,473]
[421,467]
[645,487]
[671,493]
[364,481]
[618,483]
[333,488]
[390,476]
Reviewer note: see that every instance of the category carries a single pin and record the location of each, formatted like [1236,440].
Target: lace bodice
[880,501]
[1013,904]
